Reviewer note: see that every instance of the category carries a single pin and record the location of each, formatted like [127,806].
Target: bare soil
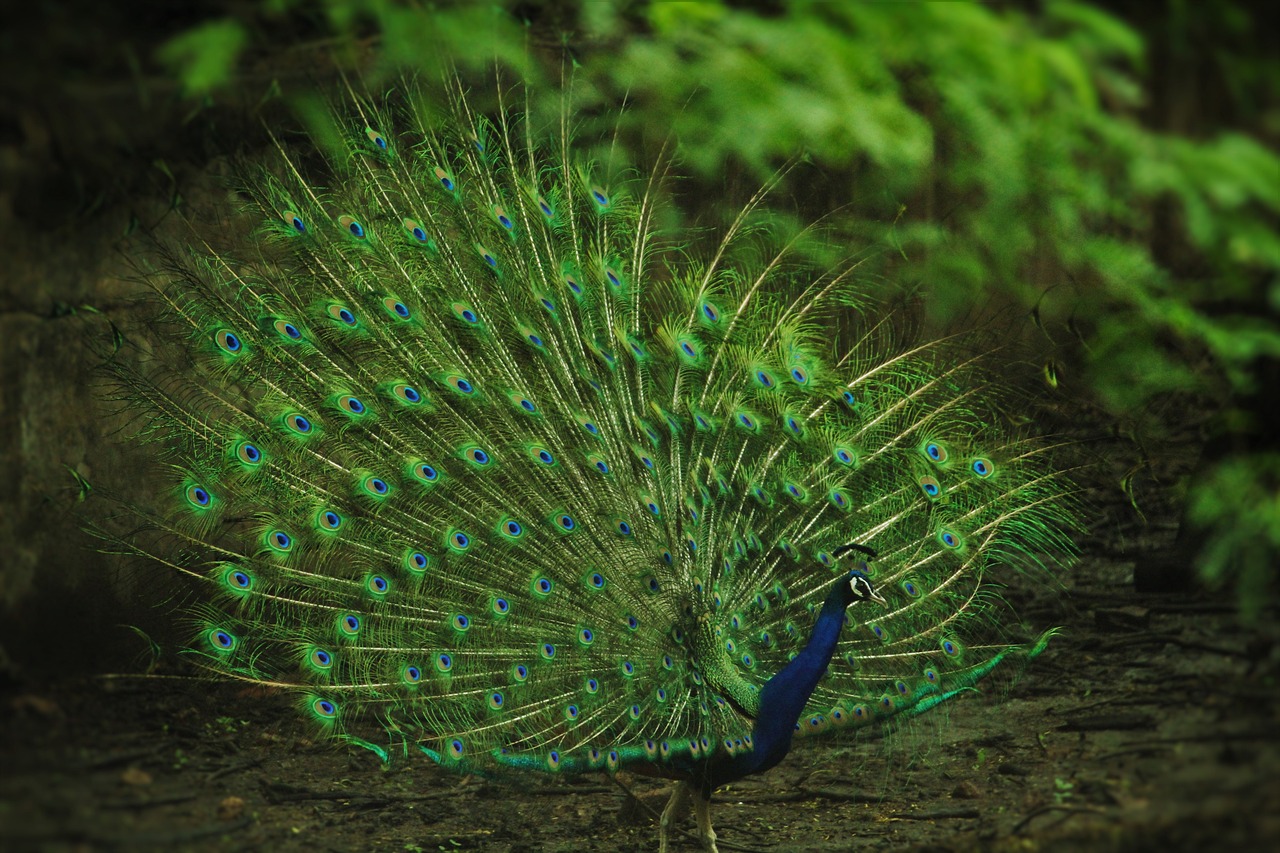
[1150,724]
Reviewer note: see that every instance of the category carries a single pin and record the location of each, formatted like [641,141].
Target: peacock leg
[702,808]
[671,814]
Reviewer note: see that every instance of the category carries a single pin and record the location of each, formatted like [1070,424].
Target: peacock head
[860,589]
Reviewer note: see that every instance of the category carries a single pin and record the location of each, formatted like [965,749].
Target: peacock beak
[879,599]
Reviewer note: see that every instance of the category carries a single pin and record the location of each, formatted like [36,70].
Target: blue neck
[784,696]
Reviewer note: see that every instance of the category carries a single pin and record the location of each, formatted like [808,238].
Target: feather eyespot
[351,405]
[294,221]
[352,226]
[228,341]
[287,330]
[222,641]
[298,423]
[375,486]
[396,308]
[500,215]
[342,314]
[415,231]
[198,497]
[406,393]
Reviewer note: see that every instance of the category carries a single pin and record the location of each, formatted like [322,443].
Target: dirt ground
[1150,724]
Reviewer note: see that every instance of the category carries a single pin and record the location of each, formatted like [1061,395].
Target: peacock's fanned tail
[464,447]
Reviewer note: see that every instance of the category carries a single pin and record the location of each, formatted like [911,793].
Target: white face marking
[861,587]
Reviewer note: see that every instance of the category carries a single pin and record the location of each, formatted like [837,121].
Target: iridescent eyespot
[351,405]
[294,221]
[460,622]
[496,700]
[415,231]
[376,486]
[710,312]
[566,522]
[279,540]
[407,394]
[548,651]
[342,314]
[596,580]
[425,473]
[839,499]
[486,255]
[248,453]
[411,674]
[542,587]
[930,486]
[546,208]
[329,520]
[500,215]
[445,179]
[221,640]
[324,708]
[520,673]
[600,197]
[982,467]
[198,496]
[764,378]
[458,541]
[849,399]
[586,637]
[800,376]
[465,313]
[349,624]
[462,386]
[935,451]
[228,341]
[949,539]
[287,330]
[622,527]
[416,561]
[511,528]
[237,579]
[352,226]
[320,658]
[444,663]
[476,456]
[396,308]
[844,456]
[378,585]
[298,423]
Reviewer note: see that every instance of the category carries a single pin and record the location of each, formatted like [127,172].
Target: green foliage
[995,156]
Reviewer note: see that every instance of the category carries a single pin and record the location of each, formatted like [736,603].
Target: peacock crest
[472,459]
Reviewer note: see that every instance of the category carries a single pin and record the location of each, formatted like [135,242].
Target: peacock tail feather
[475,459]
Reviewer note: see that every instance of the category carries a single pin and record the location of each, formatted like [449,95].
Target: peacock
[481,461]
